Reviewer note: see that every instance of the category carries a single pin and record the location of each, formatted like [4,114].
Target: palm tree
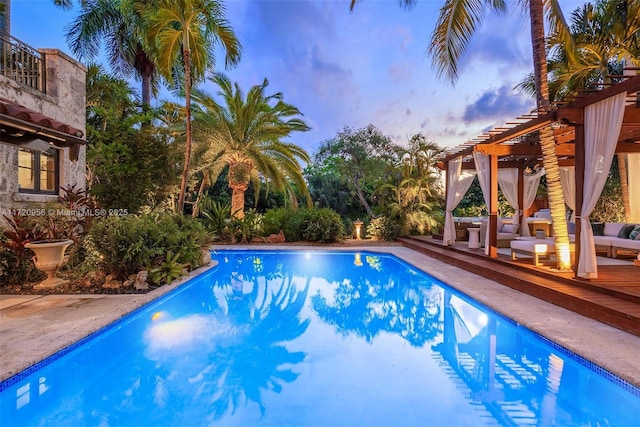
[116,24]
[457,22]
[184,34]
[246,135]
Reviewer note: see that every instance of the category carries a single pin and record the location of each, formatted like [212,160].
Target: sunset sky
[351,69]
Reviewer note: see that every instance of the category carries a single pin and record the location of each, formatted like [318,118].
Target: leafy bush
[322,225]
[286,219]
[124,245]
[383,228]
[313,225]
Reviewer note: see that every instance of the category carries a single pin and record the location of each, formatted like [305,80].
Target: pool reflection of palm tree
[253,361]
[243,337]
[403,305]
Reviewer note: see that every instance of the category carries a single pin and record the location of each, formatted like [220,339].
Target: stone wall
[64,100]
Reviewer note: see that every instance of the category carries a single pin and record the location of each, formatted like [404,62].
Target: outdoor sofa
[507,232]
[616,236]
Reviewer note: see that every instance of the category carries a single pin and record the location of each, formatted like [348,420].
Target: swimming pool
[316,339]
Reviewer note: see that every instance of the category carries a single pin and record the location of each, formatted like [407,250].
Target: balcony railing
[21,62]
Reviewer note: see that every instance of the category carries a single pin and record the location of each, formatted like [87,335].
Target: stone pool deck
[35,327]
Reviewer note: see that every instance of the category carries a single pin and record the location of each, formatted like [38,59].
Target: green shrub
[286,219]
[312,225]
[383,228]
[322,225]
[126,245]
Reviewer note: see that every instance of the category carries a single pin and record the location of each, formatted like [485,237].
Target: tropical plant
[215,216]
[383,228]
[243,230]
[457,22]
[246,134]
[414,197]
[168,270]
[183,34]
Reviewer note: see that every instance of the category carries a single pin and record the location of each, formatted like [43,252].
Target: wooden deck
[613,298]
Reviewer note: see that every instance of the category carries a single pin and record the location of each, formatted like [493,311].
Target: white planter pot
[49,258]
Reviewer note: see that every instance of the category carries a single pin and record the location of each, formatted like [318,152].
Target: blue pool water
[316,339]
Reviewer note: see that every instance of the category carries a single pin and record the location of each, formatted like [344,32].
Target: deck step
[616,309]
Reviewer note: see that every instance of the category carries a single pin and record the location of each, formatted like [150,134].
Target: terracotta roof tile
[17,111]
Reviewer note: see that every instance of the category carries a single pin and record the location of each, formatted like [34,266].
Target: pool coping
[35,327]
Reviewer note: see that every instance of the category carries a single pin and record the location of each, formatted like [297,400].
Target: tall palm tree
[119,27]
[246,134]
[457,22]
[184,34]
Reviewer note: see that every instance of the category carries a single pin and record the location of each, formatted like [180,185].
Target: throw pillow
[509,228]
[598,228]
[626,230]
[635,233]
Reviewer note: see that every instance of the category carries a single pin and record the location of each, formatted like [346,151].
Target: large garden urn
[49,258]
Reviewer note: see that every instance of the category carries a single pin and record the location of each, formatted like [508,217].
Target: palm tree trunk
[146,90]
[187,152]
[624,185]
[237,199]
[547,140]
[205,183]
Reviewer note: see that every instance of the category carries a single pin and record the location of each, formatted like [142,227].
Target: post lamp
[358,224]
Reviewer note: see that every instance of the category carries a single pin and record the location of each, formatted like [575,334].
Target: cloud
[496,104]
[401,72]
[509,48]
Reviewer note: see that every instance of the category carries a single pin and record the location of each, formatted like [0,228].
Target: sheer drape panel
[458,183]
[568,181]
[602,123]
[508,183]
[531,183]
[483,168]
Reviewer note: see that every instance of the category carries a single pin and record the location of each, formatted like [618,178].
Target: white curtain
[531,183]
[483,169]
[633,182]
[458,183]
[508,183]
[602,123]
[568,181]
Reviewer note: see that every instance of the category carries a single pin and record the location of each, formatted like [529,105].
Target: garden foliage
[122,246]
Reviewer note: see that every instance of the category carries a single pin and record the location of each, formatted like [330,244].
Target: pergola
[579,127]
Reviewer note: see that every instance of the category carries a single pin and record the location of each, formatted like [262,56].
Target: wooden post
[446,196]
[579,170]
[493,206]
[523,210]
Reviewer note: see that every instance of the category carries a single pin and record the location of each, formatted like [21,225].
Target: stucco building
[42,123]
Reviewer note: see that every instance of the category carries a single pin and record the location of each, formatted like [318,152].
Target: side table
[474,238]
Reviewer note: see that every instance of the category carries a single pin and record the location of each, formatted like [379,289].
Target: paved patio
[35,327]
